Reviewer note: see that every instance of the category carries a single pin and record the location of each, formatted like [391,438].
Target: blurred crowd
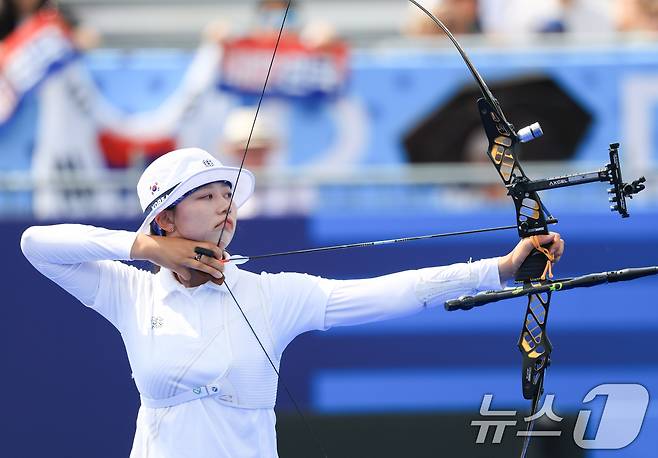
[513,17]
[15,12]
[213,106]
[494,17]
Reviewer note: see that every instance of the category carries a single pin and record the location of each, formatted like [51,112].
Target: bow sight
[532,216]
[611,173]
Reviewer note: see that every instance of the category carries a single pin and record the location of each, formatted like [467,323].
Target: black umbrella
[453,132]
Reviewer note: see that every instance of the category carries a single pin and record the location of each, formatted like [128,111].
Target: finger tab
[204,251]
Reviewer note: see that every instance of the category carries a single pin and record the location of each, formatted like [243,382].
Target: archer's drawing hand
[178,255]
[508,265]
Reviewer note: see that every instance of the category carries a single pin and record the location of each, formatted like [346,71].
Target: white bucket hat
[171,175]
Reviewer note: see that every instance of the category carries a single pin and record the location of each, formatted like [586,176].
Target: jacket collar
[169,283]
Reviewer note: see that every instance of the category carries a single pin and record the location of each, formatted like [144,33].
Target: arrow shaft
[374,243]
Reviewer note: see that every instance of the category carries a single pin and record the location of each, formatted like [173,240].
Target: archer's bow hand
[509,264]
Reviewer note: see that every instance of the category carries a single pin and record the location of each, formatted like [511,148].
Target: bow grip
[533,266]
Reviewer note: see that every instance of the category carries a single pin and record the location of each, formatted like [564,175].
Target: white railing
[416,174]
[281,191]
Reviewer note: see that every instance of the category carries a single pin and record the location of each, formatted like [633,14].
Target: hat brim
[241,193]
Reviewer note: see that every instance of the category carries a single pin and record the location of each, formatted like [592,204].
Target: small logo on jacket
[157,322]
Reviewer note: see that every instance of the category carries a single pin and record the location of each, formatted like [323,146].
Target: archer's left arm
[354,302]
[404,293]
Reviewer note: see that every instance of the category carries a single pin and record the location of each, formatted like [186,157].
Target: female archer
[207,388]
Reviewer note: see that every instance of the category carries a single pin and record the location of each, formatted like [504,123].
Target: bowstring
[533,411]
[228,211]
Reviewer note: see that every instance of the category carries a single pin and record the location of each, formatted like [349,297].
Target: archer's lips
[229,224]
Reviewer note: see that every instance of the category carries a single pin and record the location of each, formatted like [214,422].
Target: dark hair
[154,228]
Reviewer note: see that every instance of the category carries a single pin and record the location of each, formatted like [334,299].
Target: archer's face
[200,216]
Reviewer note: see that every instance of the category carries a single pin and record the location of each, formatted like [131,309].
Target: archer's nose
[225,207]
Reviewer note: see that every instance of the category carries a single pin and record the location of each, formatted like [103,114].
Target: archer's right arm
[82,260]
[78,258]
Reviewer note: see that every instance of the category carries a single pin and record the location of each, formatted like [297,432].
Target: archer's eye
[228,194]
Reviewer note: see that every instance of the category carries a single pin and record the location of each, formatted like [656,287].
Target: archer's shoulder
[129,274]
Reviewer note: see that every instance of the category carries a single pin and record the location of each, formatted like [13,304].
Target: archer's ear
[165,220]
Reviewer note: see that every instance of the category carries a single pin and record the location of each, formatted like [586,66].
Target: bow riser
[503,152]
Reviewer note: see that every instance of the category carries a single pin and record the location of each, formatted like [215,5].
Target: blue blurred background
[337,161]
